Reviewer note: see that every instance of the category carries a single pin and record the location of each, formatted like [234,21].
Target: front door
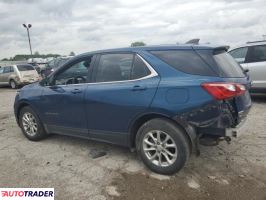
[63,101]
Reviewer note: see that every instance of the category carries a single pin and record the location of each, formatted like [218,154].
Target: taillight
[222,90]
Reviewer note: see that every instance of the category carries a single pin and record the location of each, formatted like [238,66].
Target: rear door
[123,87]
[256,60]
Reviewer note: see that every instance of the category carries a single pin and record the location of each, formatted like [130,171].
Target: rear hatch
[231,72]
[28,73]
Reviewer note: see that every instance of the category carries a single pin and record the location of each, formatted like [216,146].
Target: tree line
[21,57]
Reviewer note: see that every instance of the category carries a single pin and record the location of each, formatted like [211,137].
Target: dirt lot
[235,171]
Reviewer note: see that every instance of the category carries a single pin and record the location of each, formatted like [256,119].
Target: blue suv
[159,100]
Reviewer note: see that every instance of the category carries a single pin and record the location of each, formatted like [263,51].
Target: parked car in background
[159,100]
[37,63]
[36,67]
[18,75]
[54,64]
[252,57]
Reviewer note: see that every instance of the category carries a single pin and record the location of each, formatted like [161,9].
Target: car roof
[159,47]
[248,44]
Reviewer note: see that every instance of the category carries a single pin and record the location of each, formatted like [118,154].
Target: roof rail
[256,41]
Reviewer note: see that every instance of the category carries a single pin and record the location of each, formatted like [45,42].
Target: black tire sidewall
[40,130]
[178,136]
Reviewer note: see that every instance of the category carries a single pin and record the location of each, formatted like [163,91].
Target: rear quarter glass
[222,62]
[187,61]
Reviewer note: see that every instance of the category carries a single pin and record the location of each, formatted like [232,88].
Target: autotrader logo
[27,193]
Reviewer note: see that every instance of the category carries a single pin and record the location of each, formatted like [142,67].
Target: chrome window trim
[152,74]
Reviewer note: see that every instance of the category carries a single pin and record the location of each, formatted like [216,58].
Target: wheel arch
[20,106]
[189,131]
[23,104]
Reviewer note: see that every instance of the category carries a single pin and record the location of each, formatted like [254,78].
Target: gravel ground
[235,171]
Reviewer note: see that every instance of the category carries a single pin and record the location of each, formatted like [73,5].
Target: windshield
[61,62]
[25,67]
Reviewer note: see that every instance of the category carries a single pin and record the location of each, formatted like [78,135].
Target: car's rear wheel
[31,125]
[163,146]
[13,84]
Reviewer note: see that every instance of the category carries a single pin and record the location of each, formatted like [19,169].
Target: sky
[62,26]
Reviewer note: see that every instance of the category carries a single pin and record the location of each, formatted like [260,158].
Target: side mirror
[246,70]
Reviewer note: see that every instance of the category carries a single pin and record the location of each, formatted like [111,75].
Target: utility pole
[28,27]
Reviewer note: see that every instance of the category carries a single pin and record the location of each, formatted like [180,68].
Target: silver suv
[252,57]
[17,75]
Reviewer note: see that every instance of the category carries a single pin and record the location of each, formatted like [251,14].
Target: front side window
[114,67]
[239,54]
[76,73]
[61,62]
[258,53]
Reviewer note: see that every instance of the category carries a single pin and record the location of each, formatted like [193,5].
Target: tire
[28,116]
[174,145]
[13,84]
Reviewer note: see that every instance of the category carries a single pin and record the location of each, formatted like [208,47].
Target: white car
[18,75]
[252,57]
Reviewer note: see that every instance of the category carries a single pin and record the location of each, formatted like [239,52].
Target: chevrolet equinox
[159,100]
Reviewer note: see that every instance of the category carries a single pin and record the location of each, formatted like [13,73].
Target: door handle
[76,91]
[138,88]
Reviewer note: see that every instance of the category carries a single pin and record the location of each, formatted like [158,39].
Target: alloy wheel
[29,124]
[160,148]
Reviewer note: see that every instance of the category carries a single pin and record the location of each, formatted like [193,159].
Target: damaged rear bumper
[217,119]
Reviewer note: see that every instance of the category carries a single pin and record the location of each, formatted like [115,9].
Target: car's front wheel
[163,146]
[31,125]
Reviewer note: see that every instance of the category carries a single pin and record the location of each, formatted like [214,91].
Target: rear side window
[222,62]
[187,61]
[114,67]
[257,53]
[239,54]
[11,69]
[139,69]
[25,67]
